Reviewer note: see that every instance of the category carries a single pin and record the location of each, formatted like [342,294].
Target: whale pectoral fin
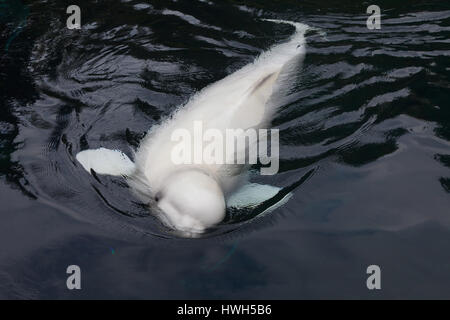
[106,161]
[251,195]
[252,110]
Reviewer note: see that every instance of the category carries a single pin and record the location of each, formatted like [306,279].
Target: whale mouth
[182,232]
[175,228]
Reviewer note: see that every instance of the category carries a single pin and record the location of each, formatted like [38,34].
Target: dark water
[368,114]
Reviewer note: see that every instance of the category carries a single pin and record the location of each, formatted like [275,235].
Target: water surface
[368,115]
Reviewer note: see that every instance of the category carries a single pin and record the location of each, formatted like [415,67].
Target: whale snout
[191,202]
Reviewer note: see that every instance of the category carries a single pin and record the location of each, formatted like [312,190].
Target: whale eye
[158,196]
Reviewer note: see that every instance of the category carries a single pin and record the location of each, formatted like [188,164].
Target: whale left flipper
[106,161]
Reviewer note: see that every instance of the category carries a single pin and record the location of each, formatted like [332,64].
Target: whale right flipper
[106,161]
[251,195]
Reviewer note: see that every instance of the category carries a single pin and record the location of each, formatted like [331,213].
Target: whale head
[191,201]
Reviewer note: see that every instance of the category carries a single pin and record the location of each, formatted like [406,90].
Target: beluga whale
[192,197]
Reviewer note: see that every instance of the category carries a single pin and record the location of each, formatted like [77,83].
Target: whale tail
[298,26]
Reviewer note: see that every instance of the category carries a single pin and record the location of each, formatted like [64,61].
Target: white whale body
[193,197]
